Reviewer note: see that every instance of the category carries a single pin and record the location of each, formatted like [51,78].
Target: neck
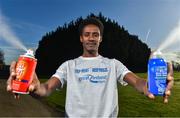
[90,54]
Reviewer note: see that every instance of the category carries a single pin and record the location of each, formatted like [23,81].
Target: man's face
[91,38]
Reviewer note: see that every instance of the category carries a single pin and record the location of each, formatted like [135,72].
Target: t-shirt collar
[90,58]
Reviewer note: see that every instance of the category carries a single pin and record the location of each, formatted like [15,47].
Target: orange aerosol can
[25,69]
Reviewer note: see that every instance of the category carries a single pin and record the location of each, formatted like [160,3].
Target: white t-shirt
[91,86]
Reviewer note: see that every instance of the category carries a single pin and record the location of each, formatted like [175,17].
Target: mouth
[91,44]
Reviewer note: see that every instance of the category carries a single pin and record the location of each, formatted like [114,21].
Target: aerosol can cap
[29,53]
[157,54]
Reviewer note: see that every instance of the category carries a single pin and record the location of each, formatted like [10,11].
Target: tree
[1,57]
[63,44]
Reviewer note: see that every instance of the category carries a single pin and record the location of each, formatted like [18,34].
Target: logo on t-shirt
[93,79]
[93,75]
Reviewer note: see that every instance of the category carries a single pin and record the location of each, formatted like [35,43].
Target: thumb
[31,87]
[34,84]
[150,95]
[147,93]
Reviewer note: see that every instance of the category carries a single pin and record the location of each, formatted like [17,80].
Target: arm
[44,89]
[141,84]
[35,88]
[138,83]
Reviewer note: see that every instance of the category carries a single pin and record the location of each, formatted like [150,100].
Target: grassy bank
[132,103]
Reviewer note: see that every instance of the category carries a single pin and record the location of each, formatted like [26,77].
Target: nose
[91,37]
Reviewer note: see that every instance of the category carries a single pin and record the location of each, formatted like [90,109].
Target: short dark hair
[91,20]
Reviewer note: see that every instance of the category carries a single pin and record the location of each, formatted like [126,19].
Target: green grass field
[132,103]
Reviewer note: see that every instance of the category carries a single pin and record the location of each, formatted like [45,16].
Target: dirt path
[26,106]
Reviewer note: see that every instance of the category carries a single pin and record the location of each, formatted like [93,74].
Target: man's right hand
[33,86]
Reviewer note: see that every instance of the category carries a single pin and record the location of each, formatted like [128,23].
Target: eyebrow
[91,32]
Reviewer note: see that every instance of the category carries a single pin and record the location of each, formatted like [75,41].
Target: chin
[92,51]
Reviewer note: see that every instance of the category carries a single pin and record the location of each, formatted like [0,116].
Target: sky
[29,20]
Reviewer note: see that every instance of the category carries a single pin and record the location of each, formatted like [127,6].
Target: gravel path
[26,106]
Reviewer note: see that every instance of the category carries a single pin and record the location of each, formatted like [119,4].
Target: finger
[12,75]
[151,96]
[9,88]
[147,93]
[168,89]
[16,96]
[35,78]
[170,78]
[35,82]
[12,67]
[166,99]
[9,81]
[169,85]
[170,71]
[31,88]
[168,92]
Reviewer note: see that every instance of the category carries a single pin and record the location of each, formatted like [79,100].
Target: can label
[157,76]
[25,69]
[21,69]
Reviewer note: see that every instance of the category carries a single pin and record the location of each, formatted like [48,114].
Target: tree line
[63,44]
[1,57]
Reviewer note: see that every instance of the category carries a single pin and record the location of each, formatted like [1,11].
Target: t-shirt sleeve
[121,71]
[61,73]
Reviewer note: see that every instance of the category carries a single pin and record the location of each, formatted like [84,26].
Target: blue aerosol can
[157,74]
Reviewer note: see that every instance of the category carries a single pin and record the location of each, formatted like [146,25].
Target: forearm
[45,89]
[138,83]
[141,85]
[41,91]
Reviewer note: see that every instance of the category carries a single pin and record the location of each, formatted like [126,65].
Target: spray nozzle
[29,53]
[157,54]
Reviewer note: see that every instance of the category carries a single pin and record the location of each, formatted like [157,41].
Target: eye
[96,34]
[86,34]
[93,34]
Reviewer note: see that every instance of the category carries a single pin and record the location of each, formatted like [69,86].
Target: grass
[56,99]
[132,103]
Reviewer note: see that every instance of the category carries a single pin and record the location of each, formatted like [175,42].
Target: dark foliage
[63,44]
[1,57]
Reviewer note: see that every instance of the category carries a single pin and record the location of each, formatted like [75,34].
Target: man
[91,79]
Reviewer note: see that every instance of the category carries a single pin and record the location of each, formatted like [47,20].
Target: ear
[100,39]
[81,39]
